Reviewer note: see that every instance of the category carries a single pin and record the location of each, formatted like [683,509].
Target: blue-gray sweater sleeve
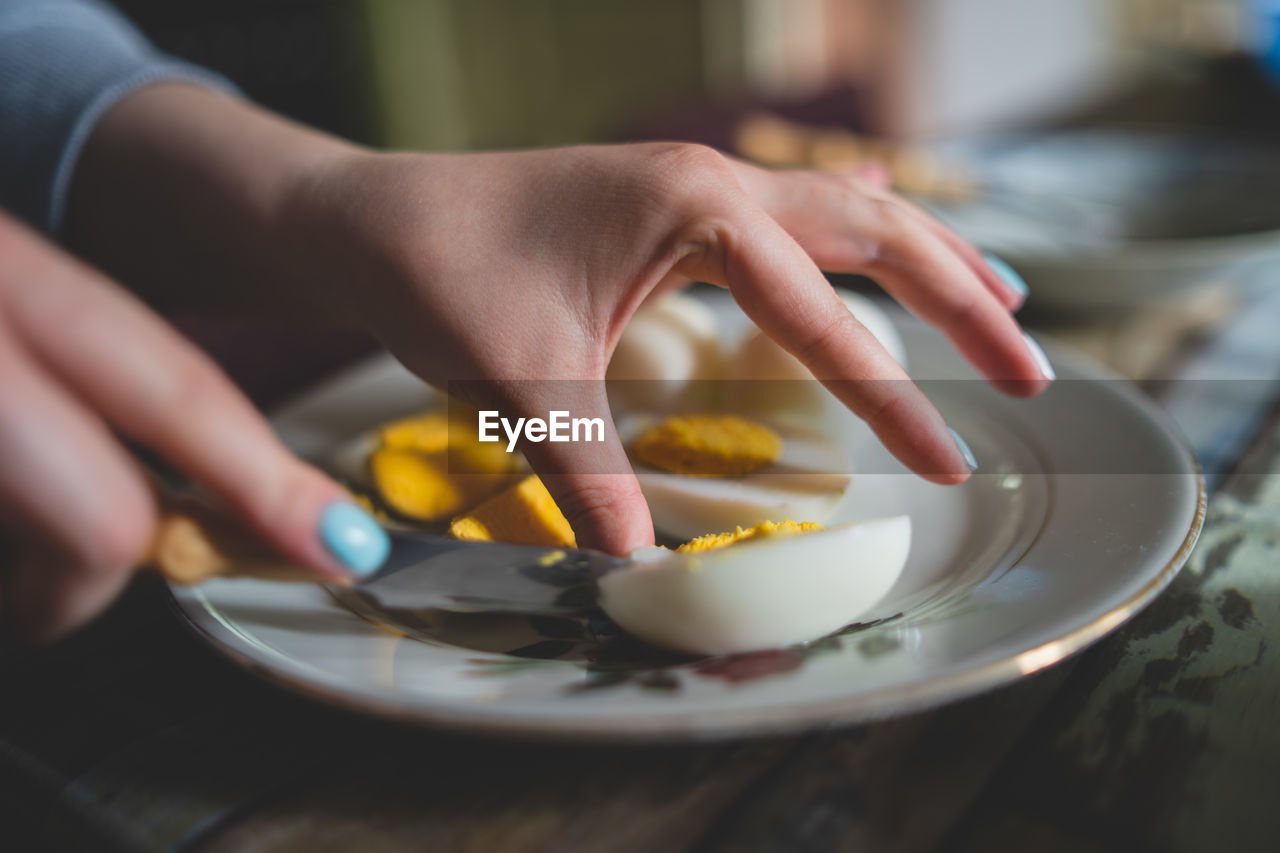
[63,64]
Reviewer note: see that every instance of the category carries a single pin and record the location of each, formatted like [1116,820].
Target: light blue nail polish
[353,536]
[1007,274]
[965,450]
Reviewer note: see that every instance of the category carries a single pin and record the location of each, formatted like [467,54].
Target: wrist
[182,193]
[361,229]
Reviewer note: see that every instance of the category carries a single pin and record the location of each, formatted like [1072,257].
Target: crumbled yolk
[523,513]
[712,541]
[709,445]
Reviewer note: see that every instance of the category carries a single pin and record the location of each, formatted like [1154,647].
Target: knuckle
[588,506]
[893,228]
[706,232]
[885,415]
[954,310]
[182,389]
[703,245]
[822,341]
[196,390]
[861,201]
[894,218]
[688,167]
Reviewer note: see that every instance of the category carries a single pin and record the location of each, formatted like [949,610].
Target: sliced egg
[798,395]
[758,357]
[669,344]
[808,480]
[760,594]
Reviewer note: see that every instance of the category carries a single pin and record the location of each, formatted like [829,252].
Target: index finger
[778,285]
[933,273]
[152,385]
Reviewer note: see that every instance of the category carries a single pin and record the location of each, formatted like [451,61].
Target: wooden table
[1163,736]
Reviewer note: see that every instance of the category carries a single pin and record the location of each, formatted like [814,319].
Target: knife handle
[196,541]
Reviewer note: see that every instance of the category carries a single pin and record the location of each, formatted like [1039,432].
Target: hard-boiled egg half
[675,339]
[773,586]
[769,380]
[707,459]
[803,474]
[670,344]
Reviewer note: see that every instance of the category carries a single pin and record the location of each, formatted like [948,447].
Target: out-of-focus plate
[1086,505]
[1098,219]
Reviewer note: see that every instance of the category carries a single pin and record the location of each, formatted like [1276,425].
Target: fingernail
[1007,274]
[965,450]
[1042,360]
[352,535]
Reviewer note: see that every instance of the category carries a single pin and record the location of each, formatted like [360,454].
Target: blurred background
[459,74]
[1122,155]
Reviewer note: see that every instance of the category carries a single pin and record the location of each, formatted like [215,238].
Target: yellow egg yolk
[421,486]
[524,513]
[712,541]
[411,469]
[432,466]
[453,433]
[709,445]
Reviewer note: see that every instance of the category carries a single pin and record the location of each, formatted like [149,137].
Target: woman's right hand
[508,269]
[85,367]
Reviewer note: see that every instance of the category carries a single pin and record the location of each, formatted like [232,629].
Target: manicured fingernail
[1007,274]
[1042,360]
[352,535]
[965,450]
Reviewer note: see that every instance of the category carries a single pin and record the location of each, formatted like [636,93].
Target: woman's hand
[519,268]
[85,367]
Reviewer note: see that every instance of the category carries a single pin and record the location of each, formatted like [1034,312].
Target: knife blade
[425,571]
[198,541]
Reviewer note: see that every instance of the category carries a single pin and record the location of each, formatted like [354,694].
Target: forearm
[63,64]
[182,193]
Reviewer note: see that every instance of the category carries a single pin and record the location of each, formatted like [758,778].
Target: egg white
[793,393]
[758,357]
[759,594]
[669,345]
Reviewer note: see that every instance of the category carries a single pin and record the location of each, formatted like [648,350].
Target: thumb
[582,463]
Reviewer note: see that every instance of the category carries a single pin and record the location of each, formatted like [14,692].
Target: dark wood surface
[1163,736]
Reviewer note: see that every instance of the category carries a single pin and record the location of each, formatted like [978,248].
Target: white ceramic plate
[1113,218]
[1086,505]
